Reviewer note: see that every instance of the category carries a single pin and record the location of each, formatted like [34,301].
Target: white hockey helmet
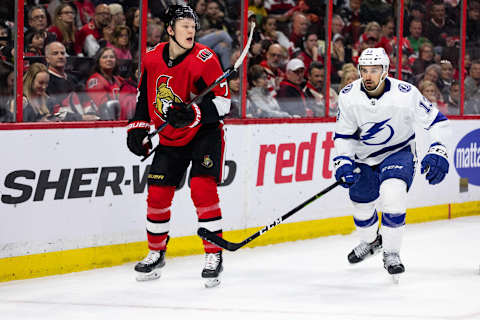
[374,57]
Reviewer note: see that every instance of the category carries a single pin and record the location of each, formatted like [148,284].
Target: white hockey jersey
[370,129]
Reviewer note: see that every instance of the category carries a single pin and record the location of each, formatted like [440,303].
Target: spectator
[272,65]
[34,43]
[91,33]
[62,86]
[118,17]
[299,29]
[38,21]
[260,102]
[407,73]
[86,11]
[337,24]
[430,90]
[313,91]
[387,36]
[154,35]
[415,37]
[446,77]
[103,86]
[269,32]
[258,8]
[36,104]
[424,59]
[453,99]
[133,22]
[214,33]
[309,50]
[473,24]
[351,13]
[348,77]
[290,95]
[64,27]
[432,73]
[416,12]
[439,25]
[7,79]
[373,10]
[236,101]
[120,42]
[340,55]
[472,82]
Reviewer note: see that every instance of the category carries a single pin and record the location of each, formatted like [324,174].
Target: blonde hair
[28,80]
[345,77]
[427,83]
[372,24]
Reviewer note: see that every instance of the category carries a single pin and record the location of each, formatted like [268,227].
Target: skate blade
[211,282]
[141,276]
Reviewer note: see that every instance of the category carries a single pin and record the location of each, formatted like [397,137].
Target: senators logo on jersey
[164,96]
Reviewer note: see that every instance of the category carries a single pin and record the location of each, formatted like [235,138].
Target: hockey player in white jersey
[374,132]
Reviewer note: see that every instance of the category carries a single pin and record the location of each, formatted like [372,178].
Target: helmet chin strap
[384,76]
[175,40]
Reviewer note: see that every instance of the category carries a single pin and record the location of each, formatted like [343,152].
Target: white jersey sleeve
[346,127]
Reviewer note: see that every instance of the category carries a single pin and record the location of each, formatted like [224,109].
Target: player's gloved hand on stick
[179,116]
[136,133]
[345,171]
[435,163]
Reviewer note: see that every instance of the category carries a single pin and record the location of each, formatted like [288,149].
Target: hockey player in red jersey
[174,72]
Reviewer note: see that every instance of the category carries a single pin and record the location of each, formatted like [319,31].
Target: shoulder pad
[347,88]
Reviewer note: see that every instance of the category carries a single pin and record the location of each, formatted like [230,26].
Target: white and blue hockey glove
[345,171]
[435,163]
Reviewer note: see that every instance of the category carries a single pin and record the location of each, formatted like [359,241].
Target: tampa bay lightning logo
[347,88]
[403,87]
[376,133]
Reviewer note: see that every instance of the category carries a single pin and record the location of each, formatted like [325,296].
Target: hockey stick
[225,75]
[233,246]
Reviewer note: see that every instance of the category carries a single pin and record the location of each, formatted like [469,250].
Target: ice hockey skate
[393,264]
[365,250]
[213,268]
[149,268]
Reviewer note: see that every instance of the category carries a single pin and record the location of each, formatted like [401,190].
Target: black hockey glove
[136,133]
[179,116]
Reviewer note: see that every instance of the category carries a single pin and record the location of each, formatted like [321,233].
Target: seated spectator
[133,22]
[446,77]
[64,27]
[120,42]
[86,11]
[38,22]
[36,104]
[258,9]
[107,35]
[472,89]
[272,65]
[453,99]
[415,37]
[34,44]
[118,17]
[340,55]
[387,35]
[424,59]
[439,25]
[350,13]
[235,98]
[261,104]
[473,24]
[91,33]
[214,33]
[290,95]
[337,25]
[432,73]
[62,86]
[407,73]
[372,31]
[7,104]
[105,86]
[300,25]
[430,90]
[313,91]
[269,32]
[309,50]
[154,35]
[372,10]
[348,77]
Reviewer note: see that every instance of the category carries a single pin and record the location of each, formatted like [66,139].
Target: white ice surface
[298,280]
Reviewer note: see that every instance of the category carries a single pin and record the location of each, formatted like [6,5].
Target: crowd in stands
[81,56]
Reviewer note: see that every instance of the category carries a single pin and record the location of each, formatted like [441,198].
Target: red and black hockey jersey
[180,80]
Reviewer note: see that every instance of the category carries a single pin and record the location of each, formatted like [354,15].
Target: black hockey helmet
[175,12]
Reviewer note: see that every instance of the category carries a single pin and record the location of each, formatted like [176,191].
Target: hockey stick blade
[233,246]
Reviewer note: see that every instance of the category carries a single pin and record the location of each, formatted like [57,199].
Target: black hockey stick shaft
[233,246]
[224,76]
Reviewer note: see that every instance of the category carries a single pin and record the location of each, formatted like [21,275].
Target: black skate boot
[365,250]
[149,268]
[393,264]
[213,268]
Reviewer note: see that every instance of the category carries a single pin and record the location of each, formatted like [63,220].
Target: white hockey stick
[225,75]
